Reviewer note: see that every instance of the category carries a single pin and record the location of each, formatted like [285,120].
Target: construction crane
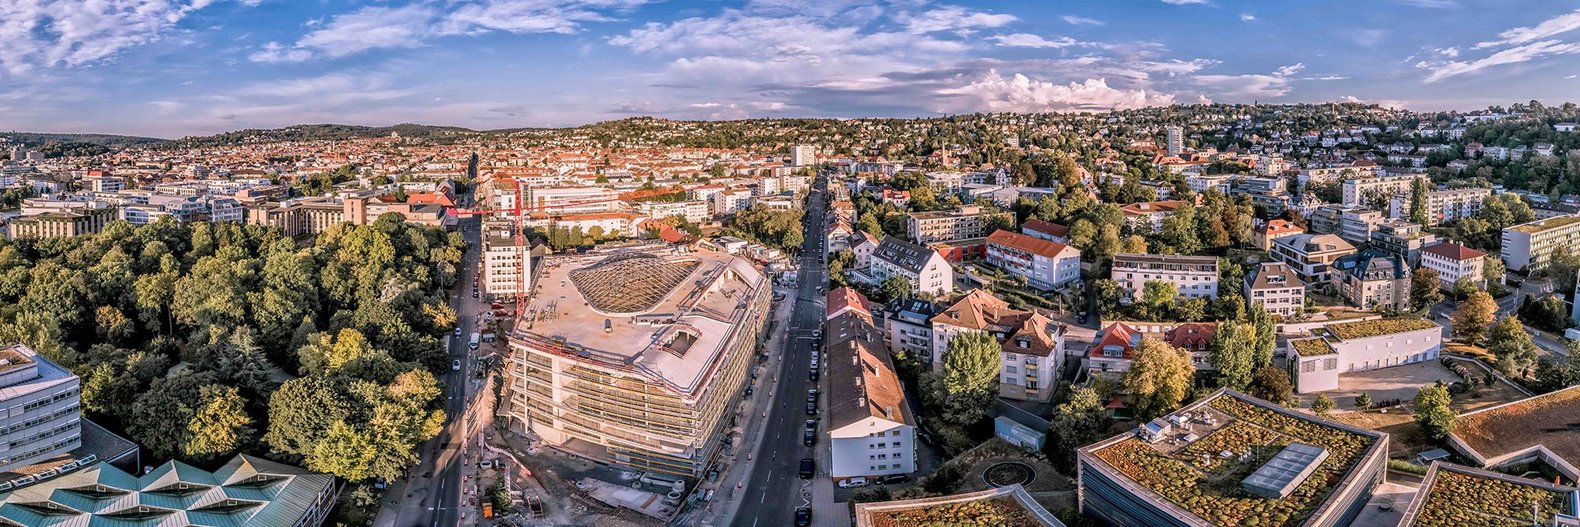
[519,211]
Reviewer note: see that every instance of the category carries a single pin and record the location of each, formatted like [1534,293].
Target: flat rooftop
[1217,442]
[1452,496]
[1544,225]
[666,313]
[1550,420]
[1009,506]
[1373,328]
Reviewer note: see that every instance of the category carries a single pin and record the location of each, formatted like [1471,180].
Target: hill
[323,132]
[36,139]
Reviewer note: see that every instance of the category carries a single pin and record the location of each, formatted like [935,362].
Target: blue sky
[178,67]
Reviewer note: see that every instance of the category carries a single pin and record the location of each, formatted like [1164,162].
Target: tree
[1159,378]
[1157,299]
[219,424]
[301,413]
[1425,288]
[895,287]
[1363,401]
[1432,411]
[1233,354]
[971,367]
[1492,270]
[1554,374]
[1418,192]
[1264,337]
[1322,405]
[1472,316]
[1512,345]
[1076,422]
[1272,385]
[1108,295]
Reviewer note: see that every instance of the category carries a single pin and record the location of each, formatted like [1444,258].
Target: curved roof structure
[630,282]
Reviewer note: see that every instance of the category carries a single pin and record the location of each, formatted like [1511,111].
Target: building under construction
[637,353]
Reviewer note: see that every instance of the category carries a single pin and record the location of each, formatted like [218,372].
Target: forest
[201,340]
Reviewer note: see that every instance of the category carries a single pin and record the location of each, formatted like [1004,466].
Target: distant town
[1227,315]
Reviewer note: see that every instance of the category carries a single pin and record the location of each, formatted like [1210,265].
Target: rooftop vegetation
[1458,499]
[1311,347]
[1373,328]
[1001,511]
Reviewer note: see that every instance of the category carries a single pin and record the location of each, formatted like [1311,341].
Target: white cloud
[1027,40]
[1447,52]
[49,33]
[1245,86]
[1082,21]
[1444,69]
[953,18]
[995,93]
[1553,26]
[412,25]
[1185,2]
[1247,17]
[1176,67]
[1290,69]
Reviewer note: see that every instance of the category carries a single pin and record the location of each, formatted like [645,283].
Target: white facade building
[1361,346]
[506,267]
[1044,264]
[1194,276]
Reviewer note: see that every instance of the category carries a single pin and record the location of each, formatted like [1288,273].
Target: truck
[475,339]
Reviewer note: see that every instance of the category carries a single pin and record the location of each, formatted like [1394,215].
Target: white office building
[1193,276]
[42,403]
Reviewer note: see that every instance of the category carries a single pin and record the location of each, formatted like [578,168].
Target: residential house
[1452,262]
[924,269]
[1311,255]
[1033,345]
[1373,279]
[1044,264]
[1263,235]
[1114,346]
[1193,276]
[1275,287]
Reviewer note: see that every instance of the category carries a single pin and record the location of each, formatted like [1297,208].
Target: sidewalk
[726,502]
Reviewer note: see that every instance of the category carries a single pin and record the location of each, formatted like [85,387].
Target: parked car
[748,390]
[811,395]
[455,365]
[808,437]
[850,483]
[458,331]
[887,479]
[811,408]
[807,468]
[813,375]
[803,516]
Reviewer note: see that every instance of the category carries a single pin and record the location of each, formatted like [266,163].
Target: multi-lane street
[431,495]
[773,491]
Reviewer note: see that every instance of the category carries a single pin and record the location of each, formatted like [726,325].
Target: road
[431,494]
[773,490]
[1507,305]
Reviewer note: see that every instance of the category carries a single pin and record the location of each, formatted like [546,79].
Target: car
[811,424]
[813,375]
[811,395]
[803,516]
[807,468]
[474,294]
[811,408]
[893,478]
[457,331]
[455,365]
[808,437]
[850,483]
[748,390]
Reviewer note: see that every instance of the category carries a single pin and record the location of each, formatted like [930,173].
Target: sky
[169,68]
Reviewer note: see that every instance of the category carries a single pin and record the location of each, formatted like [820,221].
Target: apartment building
[1311,255]
[1402,238]
[103,183]
[871,429]
[924,269]
[1114,345]
[803,155]
[1276,288]
[1373,279]
[1174,140]
[1361,346]
[1032,345]
[727,202]
[506,266]
[1052,232]
[570,200]
[1194,276]
[1452,262]
[1527,246]
[1044,264]
[639,352]
[1263,235]
[1359,192]
[1442,205]
[1356,224]
[1148,216]
[694,211]
[43,402]
[950,226]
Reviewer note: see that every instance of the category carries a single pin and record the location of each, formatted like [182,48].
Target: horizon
[174,68]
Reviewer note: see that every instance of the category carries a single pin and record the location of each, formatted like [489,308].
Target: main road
[773,490]
[430,496]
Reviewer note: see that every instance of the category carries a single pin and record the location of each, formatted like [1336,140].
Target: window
[1308,367]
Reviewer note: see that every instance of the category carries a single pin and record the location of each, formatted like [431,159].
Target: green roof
[1311,347]
[1547,224]
[1372,328]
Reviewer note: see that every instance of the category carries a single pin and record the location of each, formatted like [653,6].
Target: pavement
[773,491]
[1508,305]
[431,493]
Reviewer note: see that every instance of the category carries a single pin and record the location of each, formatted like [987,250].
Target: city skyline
[172,68]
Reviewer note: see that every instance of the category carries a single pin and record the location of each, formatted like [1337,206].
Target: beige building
[637,355]
[1032,344]
[1263,235]
[61,224]
[1194,276]
[1374,280]
[1357,192]
[947,226]
[1311,255]
[1442,205]
[1275,287]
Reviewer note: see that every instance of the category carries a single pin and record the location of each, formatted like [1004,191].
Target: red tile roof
[1453,251]
[1015,240]
[845,298]
[1055,229]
